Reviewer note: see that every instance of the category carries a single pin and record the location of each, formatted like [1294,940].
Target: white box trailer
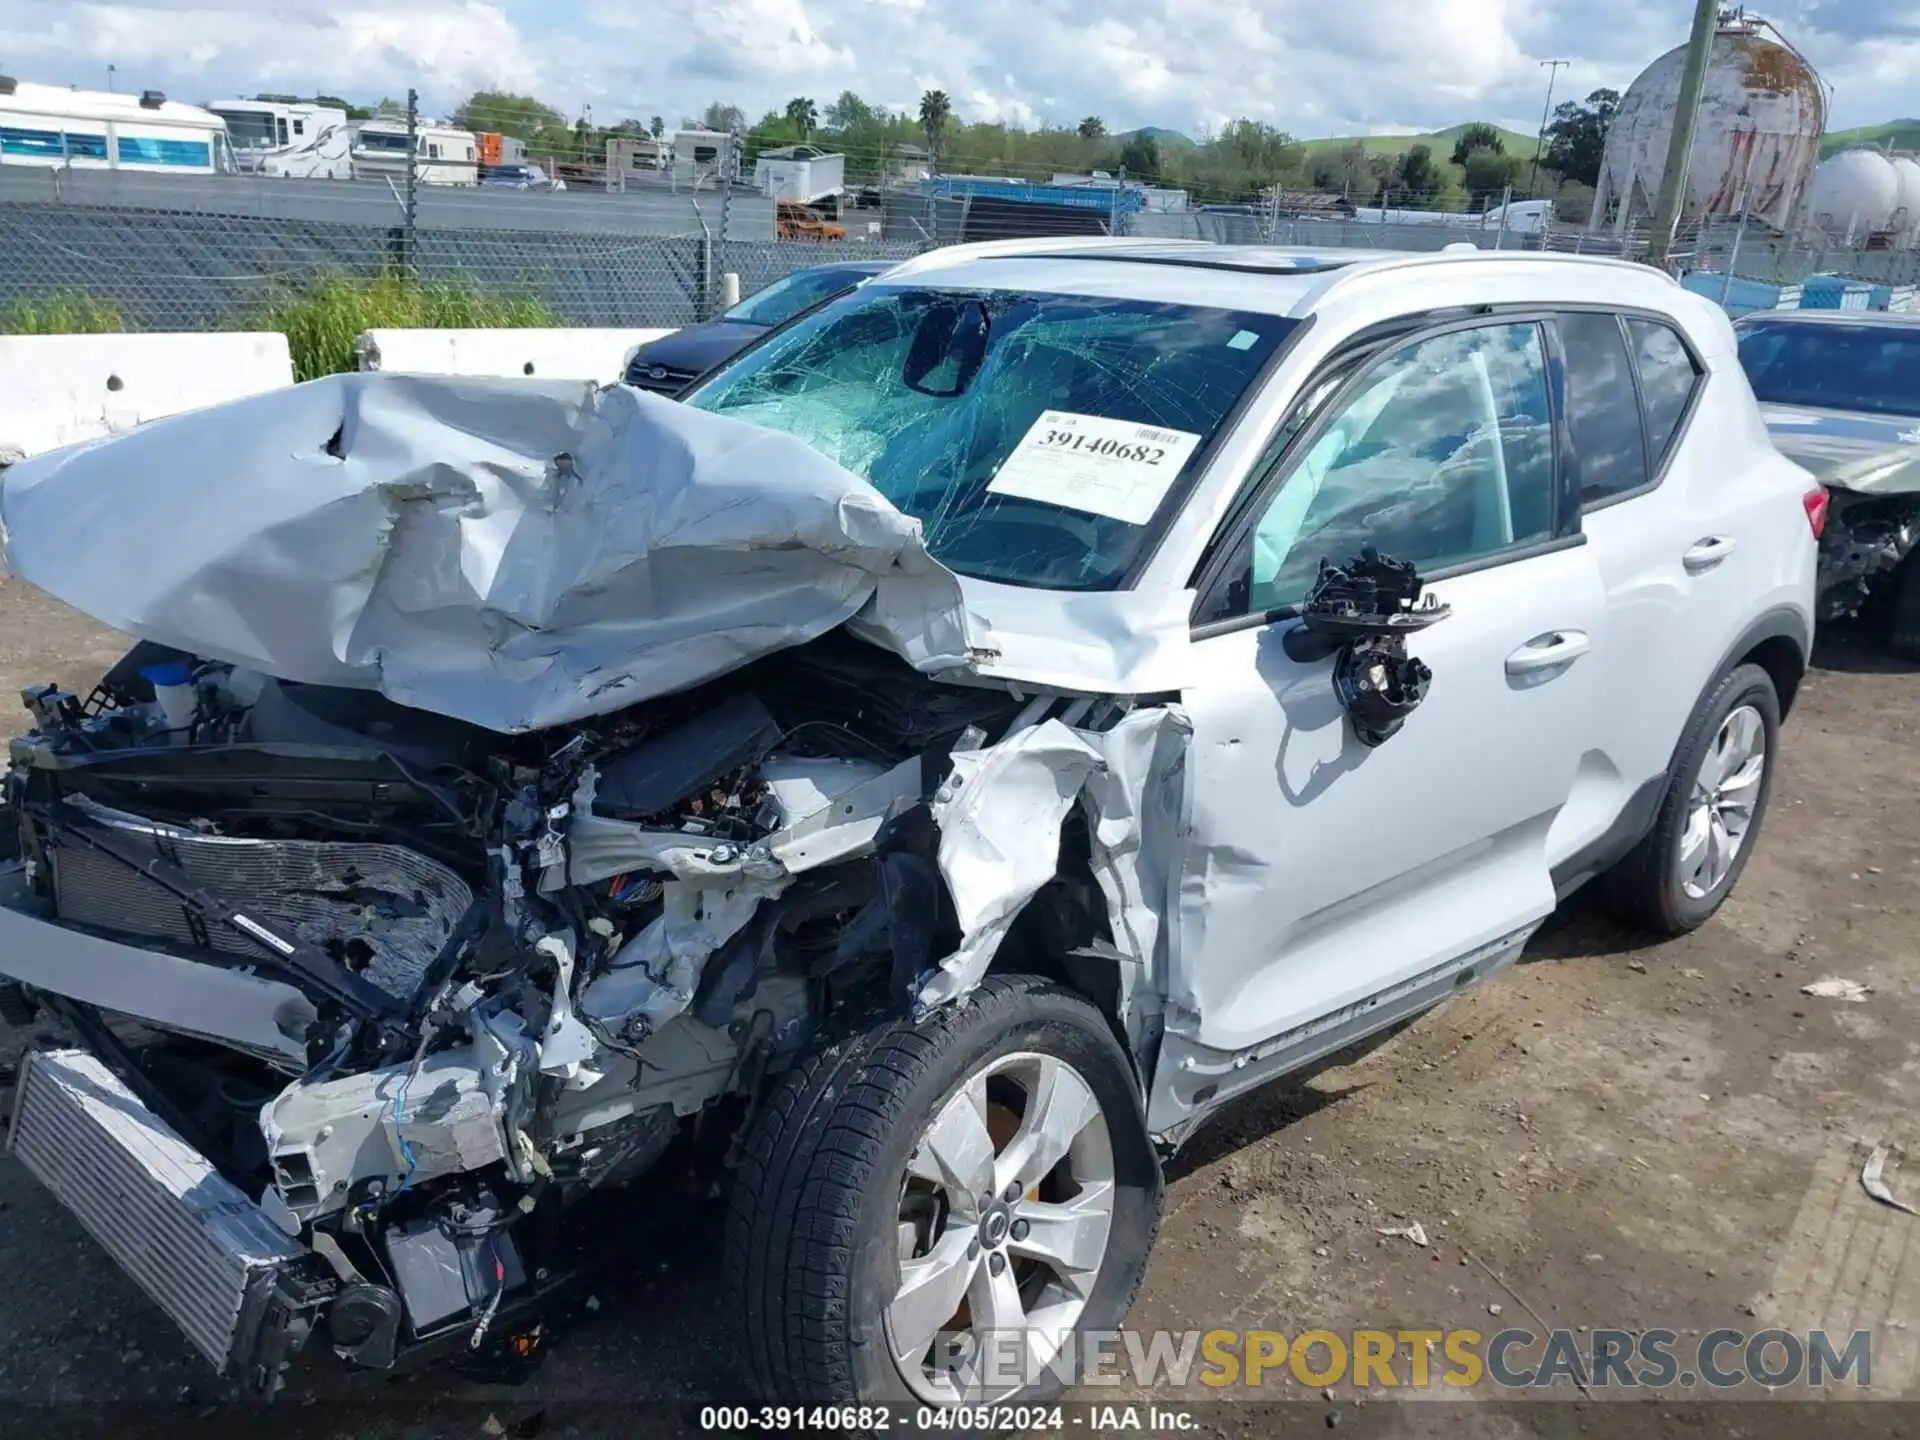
[800,174]
[59,128]
[291,139]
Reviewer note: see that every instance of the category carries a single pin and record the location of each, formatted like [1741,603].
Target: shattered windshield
[1870,368]
[1035,436]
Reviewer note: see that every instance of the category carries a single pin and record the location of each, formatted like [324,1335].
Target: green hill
[1441,142]
[1899,134]
[1169,141]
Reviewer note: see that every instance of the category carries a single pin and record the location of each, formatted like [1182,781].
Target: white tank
[1762,114]
[1906,212]
[1852,196]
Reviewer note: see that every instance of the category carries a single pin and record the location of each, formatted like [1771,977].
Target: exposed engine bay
[476,977]
[1868,538]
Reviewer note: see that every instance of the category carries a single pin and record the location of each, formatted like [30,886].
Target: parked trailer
[293,140]
[445,155]
[57,128]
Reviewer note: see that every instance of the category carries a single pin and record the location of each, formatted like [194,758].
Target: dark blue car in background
[670,364]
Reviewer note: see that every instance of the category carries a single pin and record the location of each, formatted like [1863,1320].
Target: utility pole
[1693,81]
[413,174]
[1553,69]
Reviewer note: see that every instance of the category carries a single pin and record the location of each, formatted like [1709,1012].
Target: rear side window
[1603,408]
[1667,381]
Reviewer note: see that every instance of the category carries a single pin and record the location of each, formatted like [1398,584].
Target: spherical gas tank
[1854,193]
[1906,209]
[1762,114]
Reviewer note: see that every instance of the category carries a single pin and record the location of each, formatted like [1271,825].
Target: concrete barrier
[60,389]
[546,354]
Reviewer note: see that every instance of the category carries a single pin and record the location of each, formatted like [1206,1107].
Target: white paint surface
[60,389]
[599,355]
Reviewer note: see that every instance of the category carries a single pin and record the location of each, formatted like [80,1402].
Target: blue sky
[1313,67]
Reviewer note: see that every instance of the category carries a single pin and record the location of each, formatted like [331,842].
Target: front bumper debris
[242,1290]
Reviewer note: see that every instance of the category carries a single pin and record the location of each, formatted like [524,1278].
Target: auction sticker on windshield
[1117,468]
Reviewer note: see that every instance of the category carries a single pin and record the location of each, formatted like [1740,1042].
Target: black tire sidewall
[1747,685]
[1068,1029]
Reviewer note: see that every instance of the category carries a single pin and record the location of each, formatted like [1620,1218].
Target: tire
[1903,632]
[815,1230]
[1648,888]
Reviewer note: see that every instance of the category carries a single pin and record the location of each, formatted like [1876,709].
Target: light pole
[1553,69]
[109,79]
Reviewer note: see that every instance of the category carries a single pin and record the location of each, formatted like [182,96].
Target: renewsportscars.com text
[994,1362]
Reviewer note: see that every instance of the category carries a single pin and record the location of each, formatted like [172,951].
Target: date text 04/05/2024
[882,1419]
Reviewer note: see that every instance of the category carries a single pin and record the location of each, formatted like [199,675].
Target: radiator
[384,910]
[205,1253]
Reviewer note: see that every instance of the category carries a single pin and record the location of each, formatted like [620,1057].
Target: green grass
[323,318]
[1441,142]
[1903,134]
[64,312]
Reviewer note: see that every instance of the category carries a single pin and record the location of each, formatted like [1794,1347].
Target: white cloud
[1310,66]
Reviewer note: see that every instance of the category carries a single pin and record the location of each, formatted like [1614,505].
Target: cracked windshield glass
[1035,436]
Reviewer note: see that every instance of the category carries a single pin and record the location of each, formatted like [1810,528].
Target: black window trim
[1657,466]
[1374,346]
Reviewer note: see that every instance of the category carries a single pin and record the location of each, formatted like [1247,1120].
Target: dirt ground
[1611,1135]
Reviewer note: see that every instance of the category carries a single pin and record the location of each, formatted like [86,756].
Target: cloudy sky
[1313,67]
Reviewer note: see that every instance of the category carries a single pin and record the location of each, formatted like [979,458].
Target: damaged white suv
[1007,713]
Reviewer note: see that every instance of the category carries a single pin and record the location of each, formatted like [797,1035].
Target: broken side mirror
[1362,614]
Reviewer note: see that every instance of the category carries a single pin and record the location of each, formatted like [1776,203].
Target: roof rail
[1026,245]
[1351,274]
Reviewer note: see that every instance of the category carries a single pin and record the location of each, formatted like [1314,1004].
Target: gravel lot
[1610,1135]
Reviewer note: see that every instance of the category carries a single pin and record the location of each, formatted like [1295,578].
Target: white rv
[298,141]
[53,127]
[445,156]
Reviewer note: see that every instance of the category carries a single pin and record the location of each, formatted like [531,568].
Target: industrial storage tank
[1906,213]
[1855,198]
[1763,112]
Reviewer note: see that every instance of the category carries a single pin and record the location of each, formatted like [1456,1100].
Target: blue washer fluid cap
[174,672]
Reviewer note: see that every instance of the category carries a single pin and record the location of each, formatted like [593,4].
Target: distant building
[906,165]
[697,154]
[634,155]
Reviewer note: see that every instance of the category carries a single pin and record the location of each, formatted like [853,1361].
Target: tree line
[1238,163]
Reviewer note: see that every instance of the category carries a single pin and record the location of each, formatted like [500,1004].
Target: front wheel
[932,1213]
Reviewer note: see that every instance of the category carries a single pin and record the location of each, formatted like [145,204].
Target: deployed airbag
[517,554]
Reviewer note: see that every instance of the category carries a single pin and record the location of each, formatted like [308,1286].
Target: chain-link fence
[224,252]
[153,252]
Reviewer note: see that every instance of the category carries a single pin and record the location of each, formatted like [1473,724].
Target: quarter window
[1667,381]
[1443,455]
[1603,408]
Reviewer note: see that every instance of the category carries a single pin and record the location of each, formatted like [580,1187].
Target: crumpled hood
[514,553]
[1870,454]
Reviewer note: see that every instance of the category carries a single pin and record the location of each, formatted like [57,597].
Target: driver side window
[1443,454]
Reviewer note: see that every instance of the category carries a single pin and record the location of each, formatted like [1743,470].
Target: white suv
[1004,714]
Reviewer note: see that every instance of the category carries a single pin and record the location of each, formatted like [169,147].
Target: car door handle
[1707,554]
[1548,652]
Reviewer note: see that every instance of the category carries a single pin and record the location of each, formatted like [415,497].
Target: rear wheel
[1710,818]
[930,1213]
